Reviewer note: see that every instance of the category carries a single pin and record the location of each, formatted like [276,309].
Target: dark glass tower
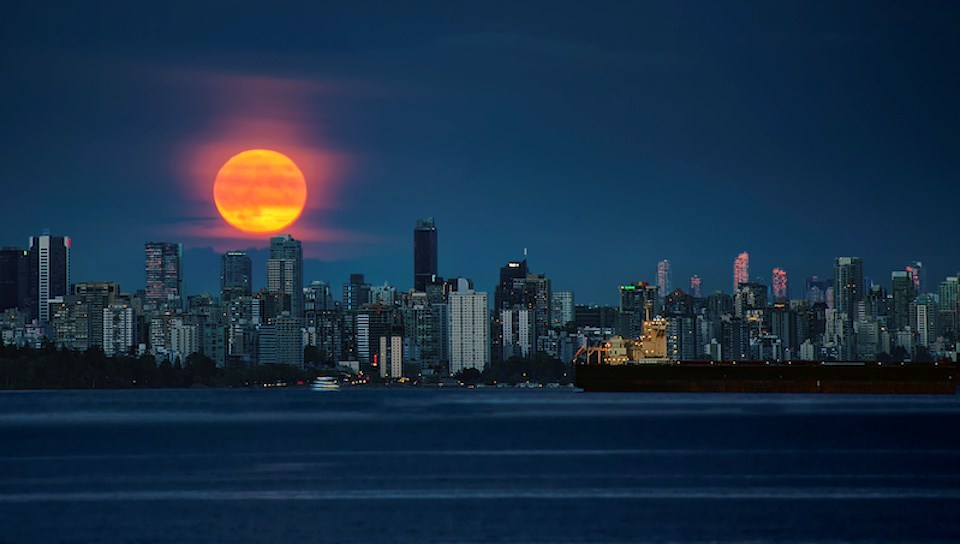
[236,271]
[13,278]
[424,253]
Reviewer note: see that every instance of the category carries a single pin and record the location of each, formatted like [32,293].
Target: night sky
[601,137]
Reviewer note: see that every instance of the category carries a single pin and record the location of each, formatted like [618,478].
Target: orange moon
[260,191]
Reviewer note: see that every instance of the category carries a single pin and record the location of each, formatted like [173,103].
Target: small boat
[324,383]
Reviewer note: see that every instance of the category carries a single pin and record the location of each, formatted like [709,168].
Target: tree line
[538,368]
[50,367]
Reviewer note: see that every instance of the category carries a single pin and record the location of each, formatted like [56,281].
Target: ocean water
[471,466]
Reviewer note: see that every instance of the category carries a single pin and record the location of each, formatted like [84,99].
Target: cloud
[318,241]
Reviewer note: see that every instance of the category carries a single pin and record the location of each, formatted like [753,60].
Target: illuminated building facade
[164,271]
[664,277]
[741,270]
[780,285]
[696,286]
[915,270]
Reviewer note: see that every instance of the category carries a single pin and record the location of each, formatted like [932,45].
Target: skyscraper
[49,276]
[741,270]
[561,311]
[96,296]
[164,271]
[848,284]
[356,293]
[519,289]
[848,292]
[915,269]
[903,291]
[664,277]
[779,283]
[507,295]
[924,313]
[236,275]
[14,271]
[285,271]
[696,289]
[469,331]
[424,253]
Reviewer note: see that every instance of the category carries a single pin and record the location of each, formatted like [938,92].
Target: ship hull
[742,377]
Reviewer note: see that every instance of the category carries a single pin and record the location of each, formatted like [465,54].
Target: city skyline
[259,258]
[779,141]
[500,271]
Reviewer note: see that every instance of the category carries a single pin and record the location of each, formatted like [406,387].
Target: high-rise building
[424,253]
[636,300]
[14,274]
[236,276]
[517,331]
[507,294]
[915,270]
[848,293]
[119,332]
[696,286]
[949,291]
[741,270]
[924,314]
[780,285]
[749,296]
[281,342]
[317,300]
[285,271]
[69,320]
[664,277]
[96,296]
[49,276]
[561,311]
[356,293]
[815,289]
[519,289]
[848,284]
[469,331]
[371,324]
[539,295]
[903,292]
[164,271]
[391,356]
[425,331]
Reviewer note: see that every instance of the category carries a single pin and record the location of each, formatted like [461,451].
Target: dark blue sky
[601,136]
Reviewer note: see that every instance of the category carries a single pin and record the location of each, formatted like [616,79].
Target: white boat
[324,383]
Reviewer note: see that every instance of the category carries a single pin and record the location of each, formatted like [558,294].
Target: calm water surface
[464,466]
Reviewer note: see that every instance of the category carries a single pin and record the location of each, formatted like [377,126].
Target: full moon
[260,191]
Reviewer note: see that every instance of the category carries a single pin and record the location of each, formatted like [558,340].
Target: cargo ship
[619,364]
[769,377]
